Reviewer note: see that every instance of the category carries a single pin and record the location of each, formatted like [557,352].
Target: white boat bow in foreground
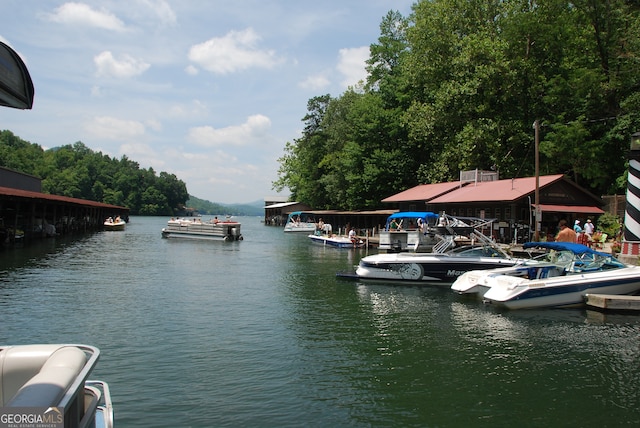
[47,385]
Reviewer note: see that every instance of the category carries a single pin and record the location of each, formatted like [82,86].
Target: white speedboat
[300,221]
[443,265]
[116,224]
[227,230]
[47,385]
[476,282]
[336,241]
[434,268]
[568,274]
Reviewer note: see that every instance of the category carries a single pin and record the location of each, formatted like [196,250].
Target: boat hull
[423,268]
[478,282]
[300,227]
[336,241]
[565,291]
[115,226]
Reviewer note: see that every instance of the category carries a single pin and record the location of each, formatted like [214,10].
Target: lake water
[260,333]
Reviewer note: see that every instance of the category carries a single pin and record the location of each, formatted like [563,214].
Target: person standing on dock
[566,234]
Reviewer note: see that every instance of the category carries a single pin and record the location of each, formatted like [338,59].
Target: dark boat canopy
[16,87]
[564,246]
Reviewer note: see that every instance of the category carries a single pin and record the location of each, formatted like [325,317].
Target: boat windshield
[477,250]
[301,217]
[577,262]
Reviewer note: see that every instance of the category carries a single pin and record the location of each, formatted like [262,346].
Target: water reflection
[261,333]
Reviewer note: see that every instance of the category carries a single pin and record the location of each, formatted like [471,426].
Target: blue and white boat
[561,278]
[336,241]
[301,221]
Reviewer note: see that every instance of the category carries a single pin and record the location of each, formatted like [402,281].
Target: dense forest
[458,85]
[77,171]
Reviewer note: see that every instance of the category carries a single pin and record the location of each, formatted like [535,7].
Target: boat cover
[425,216]
[564,246]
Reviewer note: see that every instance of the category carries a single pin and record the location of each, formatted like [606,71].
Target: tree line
[458,85]
[76,171]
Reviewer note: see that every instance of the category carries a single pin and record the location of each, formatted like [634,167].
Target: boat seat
[38,375]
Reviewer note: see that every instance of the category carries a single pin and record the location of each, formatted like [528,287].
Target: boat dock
[613,302]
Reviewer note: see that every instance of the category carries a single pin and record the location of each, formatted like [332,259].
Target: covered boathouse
[26,213]
[365,222]
[510,201]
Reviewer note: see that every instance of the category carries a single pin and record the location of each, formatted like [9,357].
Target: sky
[210,91]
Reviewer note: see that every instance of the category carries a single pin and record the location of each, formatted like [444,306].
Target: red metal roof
[8,191]
[423,192]
[495,191]
[570,209]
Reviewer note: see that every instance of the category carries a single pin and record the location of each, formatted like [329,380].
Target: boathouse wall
[19,180]
[27,214]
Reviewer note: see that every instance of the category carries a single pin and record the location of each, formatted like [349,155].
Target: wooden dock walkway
[613,302]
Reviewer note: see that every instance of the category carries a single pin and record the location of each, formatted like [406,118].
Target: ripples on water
[261,333]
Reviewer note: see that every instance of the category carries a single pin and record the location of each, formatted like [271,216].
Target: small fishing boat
[47,385]
[227,230]
[337,241]
[116,224]
[560,279]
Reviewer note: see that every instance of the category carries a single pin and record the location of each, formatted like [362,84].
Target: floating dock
[613,302]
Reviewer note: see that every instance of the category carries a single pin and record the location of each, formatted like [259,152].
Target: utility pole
[536,127]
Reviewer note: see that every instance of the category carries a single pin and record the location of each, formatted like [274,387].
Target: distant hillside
[212,208]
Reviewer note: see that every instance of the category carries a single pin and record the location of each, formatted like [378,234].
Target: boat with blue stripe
[559,278]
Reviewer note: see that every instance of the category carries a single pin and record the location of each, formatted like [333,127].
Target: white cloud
[112,128]
[82,14]
[154,124]
[352,63]
[235,135]
[127,66]
[315,83]
[191,70]
[162,9]
[235,51]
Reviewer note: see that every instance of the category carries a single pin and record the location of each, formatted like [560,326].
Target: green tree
[75,170]
[458,84]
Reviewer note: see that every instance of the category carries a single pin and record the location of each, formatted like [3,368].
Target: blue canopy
[303,215]
[412,215]
[564,246]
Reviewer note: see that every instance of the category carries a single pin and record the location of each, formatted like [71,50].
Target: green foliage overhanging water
[457,85]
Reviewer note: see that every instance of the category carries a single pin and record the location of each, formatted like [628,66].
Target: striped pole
[631,241]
